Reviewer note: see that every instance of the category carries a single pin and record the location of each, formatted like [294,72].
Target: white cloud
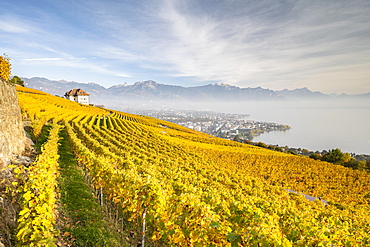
[122,75]
[259,43]
[242,49]
[73,62]
[12,28]
[17,25]
[43,59]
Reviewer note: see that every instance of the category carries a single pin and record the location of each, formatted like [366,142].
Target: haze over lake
[316,125]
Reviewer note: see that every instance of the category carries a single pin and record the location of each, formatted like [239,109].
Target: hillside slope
[169,185]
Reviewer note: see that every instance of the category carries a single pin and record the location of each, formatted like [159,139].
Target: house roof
[76,92]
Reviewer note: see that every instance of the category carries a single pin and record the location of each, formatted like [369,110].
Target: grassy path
[81,221]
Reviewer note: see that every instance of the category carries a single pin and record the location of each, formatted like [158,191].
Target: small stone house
[78,95]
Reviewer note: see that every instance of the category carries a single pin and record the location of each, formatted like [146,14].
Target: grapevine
[36,222]
[192,189]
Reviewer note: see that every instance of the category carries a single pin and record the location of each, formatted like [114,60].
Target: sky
[276,44]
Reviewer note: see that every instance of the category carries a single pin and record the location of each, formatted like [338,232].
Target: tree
[5,67]
[280,149]
[291,152]
[248,142]
[353,163]
[237,139]
[362,166]
[261,144]
[17,80]
[336,156]
[315,156]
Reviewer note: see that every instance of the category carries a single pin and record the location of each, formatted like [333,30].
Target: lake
[316,125]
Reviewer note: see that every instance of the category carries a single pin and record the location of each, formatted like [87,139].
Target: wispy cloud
[274,44]
[241,49]
[73,62]
[43,59]
[12,28]
[10,23]
[267,44]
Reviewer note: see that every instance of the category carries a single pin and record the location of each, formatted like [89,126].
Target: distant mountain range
[153,91]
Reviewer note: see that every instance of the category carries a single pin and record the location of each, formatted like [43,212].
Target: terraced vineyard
[173,186]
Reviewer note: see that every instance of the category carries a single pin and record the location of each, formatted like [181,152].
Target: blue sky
[323,45]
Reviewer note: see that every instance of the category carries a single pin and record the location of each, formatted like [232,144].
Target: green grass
[43,137]
[81,220]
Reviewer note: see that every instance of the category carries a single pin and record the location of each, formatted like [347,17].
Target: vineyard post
[101,195]
[123,226]
[116,220]
[143,240]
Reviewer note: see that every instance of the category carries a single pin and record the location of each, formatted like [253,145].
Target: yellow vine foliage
[37,219]
[5,67]
[28,90]
[198,190]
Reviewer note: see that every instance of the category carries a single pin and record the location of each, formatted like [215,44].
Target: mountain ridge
[150,90]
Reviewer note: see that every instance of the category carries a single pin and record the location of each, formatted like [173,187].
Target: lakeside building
[78,95]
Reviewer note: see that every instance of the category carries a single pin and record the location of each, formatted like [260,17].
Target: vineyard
[171,186]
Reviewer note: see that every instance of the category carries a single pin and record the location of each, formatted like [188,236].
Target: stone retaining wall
[12,137]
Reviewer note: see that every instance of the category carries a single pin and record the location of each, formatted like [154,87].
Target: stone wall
[12,136]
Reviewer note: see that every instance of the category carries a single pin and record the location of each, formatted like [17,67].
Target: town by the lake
[225,125]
